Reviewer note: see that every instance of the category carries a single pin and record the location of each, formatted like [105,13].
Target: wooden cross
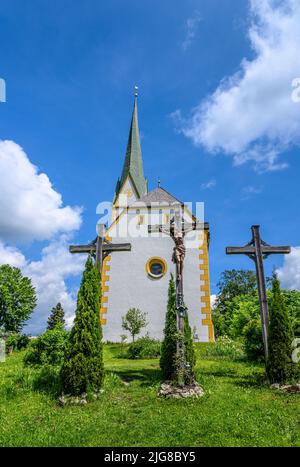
[100,248]
[258,250]
[177,231]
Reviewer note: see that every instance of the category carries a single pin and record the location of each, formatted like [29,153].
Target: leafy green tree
[279,366]
[245,325]
[292,302]
[168,348]
[17,299]
[56,318]
[134,321]
[233,283]
[82,370]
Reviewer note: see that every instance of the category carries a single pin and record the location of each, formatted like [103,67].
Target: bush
[145,347]
[47,349]
[16,342]
[225,347]
[253,342]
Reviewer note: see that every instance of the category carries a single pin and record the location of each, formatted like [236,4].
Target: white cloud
[12,256]
[213,299]
[191,27]
[249,191]
[289,274]
[251,115]
[30,209]
[48,276]
[208,185]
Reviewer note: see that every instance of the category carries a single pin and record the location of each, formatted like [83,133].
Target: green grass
[235,411]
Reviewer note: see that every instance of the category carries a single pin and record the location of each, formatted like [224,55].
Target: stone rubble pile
[168,390]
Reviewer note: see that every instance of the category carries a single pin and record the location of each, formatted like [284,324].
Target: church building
[139,278]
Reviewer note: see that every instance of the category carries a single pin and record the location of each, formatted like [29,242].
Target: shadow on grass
[146,376]
[255,380]
[48,381]
[221,373]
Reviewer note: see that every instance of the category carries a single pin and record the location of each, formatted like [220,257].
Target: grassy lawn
[236,410]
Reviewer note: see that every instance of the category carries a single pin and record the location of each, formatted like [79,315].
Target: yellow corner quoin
[105,287]
[205,299]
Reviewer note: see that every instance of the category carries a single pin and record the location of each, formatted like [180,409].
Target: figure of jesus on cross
[177,230]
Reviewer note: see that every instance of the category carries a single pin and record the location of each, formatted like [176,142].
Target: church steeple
[133,164]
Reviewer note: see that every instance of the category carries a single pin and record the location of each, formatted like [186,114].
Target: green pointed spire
[133,164]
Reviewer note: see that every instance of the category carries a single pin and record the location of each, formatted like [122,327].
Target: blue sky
[70,68]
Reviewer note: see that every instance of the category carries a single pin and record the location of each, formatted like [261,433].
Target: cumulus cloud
[49,276]
[289,274]
[251,116]
[30,209]
[12,256]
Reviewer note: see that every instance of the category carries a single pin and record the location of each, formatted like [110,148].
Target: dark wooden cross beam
[258,250]
[100,248]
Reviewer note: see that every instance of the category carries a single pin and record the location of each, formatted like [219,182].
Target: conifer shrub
[169,360]
[82,370]
[168,348]
[189,347]
[56,318]
[280,367]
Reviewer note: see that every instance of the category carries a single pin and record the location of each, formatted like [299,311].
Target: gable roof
[158,195]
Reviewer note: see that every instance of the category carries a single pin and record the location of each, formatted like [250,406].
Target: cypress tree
[168,359]
[82,370]
[279,365]
[56,318]
[189,348]
[168,348]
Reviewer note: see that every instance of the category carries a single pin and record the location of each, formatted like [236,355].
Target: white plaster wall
[130,286]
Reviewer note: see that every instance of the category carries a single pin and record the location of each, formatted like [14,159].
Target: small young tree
[56,318]
[82,370]
[168,348]
[279,365]
[17,299]
[134,321]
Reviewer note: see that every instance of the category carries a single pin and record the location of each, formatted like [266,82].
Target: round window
[156,268]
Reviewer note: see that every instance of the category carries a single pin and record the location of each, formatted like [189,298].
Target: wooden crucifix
[177,231]
[100,248]
[258,250]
